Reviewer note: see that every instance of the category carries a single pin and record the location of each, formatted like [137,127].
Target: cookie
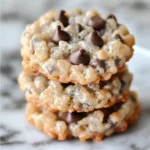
[69,97]
[94,125]
[75,46]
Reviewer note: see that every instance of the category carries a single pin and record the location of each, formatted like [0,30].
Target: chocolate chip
[118,37]
[97,22]
[62,17]
[108,111]
[111,16]
[79,28]
[66,84]
[71,117]
[117,60]
[117,106]
[60,35]
[103,83]
[122,86]
[95,39]
[98,63]
[79,57]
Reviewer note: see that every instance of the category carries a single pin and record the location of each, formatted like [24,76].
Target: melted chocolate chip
[79,57]
[66,84]
[97,22]
[62,17]
[117,36]
[95,39]
[71,117]
[60,35]
[98,62]
[111,16]
[106,112]
[109,111]
[122,86]
[103,83]
[79,28]
[117,60]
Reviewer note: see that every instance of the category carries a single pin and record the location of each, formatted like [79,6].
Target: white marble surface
[17,134]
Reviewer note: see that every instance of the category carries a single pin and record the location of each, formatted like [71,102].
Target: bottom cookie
[94,125]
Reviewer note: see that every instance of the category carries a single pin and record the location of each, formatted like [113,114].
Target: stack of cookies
[75,79]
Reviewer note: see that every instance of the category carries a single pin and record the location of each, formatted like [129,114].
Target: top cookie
[75,46]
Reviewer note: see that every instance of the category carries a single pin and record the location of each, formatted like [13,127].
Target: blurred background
[16,14]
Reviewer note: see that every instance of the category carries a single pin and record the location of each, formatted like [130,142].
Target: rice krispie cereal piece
[75,46]
[69,97]
[94,125]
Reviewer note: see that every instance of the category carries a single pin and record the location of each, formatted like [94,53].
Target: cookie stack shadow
[75,78]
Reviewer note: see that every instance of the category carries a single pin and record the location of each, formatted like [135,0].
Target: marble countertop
[15,132]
